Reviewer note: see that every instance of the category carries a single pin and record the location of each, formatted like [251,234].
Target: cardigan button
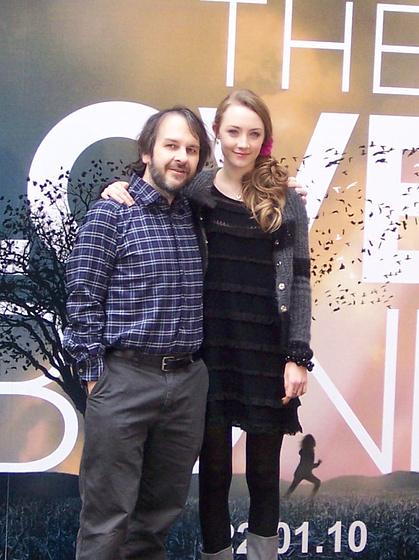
[276,242]
[281,286]
[283,308]
[279,263]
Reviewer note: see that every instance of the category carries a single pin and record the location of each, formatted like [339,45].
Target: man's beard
[161,183]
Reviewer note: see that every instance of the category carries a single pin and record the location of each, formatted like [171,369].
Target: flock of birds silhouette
[340,220]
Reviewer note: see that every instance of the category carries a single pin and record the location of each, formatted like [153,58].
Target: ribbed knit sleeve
[199,191]
[298,343]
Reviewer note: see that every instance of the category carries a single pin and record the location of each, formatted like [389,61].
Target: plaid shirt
[134,280]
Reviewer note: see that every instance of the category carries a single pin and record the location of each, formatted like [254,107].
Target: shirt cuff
[90,370]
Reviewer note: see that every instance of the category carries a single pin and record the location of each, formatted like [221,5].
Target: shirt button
[283,308]
[281,286]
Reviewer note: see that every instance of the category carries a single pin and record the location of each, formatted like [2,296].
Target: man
[135,309]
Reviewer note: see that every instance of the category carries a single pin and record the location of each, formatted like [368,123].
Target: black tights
[262,476]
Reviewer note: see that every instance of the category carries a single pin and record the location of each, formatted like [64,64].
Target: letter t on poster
[232,25]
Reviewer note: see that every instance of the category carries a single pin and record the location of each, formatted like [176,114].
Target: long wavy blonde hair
[265,186]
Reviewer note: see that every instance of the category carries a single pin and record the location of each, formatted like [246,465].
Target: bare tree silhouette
[35,242]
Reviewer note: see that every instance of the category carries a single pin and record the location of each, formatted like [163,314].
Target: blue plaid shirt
[134,280]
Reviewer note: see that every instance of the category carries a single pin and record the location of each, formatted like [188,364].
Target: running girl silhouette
[304,471]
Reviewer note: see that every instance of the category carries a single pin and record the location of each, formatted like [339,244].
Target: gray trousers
[143,433]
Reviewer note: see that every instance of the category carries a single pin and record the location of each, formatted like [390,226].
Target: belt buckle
[165,362]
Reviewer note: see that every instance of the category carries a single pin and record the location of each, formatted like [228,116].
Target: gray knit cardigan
[291,260]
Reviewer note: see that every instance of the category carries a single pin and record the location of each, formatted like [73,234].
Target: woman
[256,321]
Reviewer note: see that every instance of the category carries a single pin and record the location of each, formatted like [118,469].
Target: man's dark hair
[147,138]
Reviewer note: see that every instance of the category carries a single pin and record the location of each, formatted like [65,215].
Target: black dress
[241,325]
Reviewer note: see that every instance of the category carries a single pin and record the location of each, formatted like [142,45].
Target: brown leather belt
[165,363]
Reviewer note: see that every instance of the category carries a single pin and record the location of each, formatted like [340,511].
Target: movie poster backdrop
[341,78]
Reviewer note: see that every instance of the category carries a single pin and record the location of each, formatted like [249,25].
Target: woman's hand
[295,381]
[118,191]
[302,191]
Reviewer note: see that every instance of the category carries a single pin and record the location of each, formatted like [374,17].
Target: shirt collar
[142,191]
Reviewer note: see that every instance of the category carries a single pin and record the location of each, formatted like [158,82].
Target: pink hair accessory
[266,148]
